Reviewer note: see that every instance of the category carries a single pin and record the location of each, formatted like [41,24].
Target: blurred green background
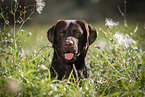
[92,11]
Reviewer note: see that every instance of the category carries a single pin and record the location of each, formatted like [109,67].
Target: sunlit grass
[116,71]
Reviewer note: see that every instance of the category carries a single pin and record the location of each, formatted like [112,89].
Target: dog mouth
[70,56]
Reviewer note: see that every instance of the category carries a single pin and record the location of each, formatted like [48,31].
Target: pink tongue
[69,56]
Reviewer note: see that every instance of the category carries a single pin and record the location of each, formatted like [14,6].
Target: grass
[116,71]
[117,65]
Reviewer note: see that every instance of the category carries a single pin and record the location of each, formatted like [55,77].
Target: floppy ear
[51,31]
[50,34]
[93,34]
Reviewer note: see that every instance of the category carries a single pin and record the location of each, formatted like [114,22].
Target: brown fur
[73,37]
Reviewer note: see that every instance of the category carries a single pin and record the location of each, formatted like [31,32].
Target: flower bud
[42,68]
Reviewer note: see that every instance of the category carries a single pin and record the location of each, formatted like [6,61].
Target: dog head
[71,38]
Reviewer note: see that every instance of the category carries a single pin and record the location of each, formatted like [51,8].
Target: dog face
[71,38]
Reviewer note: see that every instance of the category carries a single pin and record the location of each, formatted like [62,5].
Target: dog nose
[68,44]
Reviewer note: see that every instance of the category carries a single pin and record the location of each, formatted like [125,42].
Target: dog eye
[62,33]
[77,34]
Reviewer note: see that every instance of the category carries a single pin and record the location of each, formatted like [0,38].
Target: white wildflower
[29,34]
[22,74]
[86,88]
[40,4]
[109,23]
[9,34]
[123,40]
[22,30]
[55,88]
[64,88]
[50,92]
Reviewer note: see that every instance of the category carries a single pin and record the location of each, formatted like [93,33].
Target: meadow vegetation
[117,61]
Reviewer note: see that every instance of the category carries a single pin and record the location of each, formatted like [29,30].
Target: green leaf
[70,75]
[11,12]
[30,71]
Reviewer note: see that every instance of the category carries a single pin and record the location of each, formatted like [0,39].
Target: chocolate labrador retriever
[71,40]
